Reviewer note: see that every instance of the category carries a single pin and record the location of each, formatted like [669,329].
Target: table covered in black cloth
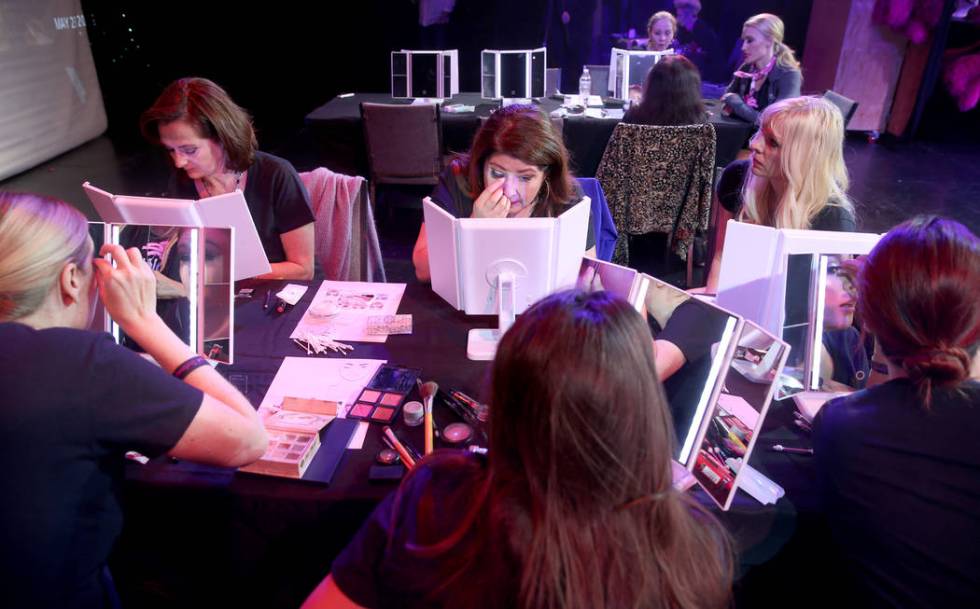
[336,128]
[197,535]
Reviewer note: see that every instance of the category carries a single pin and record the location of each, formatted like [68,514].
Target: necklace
[238,181]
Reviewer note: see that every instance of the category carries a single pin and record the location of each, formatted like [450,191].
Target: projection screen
[50,100]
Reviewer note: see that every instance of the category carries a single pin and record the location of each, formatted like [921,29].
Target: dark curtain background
[281,60]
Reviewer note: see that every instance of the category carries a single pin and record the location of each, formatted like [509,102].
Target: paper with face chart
[333,379]
[342,309]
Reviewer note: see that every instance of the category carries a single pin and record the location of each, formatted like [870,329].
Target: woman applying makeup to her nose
[519,166]
[770,72]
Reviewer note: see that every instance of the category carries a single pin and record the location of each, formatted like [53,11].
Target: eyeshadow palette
[288,454]
[383,396]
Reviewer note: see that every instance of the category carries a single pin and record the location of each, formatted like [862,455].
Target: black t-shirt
[380,569]
[276,198]
[831,217]
[73,403]
[901,489]
[450,195]
[847,351]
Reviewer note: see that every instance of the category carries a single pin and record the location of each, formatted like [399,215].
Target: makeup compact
[382,398]
[457,433]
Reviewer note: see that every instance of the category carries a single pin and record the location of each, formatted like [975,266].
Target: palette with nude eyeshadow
[384,395]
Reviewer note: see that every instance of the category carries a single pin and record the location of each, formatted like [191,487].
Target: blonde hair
[662,15]
[38,236]
[772,28]
[810,132]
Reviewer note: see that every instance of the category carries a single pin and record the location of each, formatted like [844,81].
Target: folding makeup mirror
[728,434]
[629,284]
[628,68]
[704,334]
[778,279]
[502,265]
[424,74]
[194,287]
[513,74]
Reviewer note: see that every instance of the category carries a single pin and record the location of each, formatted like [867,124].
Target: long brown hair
[528,135]
[917,293]
[671,94]
[213,114]
[577,509]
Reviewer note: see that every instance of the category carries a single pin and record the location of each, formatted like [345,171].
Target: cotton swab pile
[321,343]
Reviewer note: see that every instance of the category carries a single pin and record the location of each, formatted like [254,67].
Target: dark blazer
[781,83]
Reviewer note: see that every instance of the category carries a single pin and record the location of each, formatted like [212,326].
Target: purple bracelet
[189,366]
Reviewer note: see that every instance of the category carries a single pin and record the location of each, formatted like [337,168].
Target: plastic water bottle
[585,85]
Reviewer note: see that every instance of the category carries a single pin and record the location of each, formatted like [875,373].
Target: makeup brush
[428,392]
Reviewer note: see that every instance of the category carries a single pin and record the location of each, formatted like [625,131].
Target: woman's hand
[732,99]
[128,290]
[492,203]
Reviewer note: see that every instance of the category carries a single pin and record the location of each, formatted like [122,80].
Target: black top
[378,569]
[851,364]
[450,194]
[780,83]
[73,404]
[901,489]
[831,217]
[276,199]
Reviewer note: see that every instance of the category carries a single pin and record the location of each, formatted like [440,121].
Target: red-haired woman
[572,507]
[517,168]
[900,462]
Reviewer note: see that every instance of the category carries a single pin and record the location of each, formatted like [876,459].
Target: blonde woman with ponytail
[72,402]
[794,178]
[770,71]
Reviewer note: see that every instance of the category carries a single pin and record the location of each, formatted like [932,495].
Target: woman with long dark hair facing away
[770,72]
[572,507]
[899,463]
[671,95]
[74,403]
[517,167]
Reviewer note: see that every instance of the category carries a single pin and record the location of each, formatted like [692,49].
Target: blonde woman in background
[74,403]
[770,71]
[794,178]
[661,31]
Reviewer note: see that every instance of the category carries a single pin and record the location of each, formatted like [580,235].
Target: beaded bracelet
[189,366]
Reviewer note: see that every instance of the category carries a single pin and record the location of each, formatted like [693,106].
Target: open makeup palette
[382,398]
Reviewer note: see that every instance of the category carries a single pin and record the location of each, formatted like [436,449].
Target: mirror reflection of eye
[212,252]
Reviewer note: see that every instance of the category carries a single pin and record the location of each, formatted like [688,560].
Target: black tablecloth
[336,127]
[197,535]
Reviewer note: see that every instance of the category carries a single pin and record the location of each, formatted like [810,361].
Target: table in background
[336,128]
[197,535]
